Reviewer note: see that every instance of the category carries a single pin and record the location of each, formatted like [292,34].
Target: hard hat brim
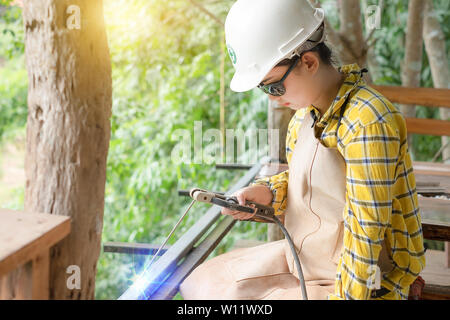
[243,82]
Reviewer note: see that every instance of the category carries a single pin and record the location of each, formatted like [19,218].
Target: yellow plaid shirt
[381,197]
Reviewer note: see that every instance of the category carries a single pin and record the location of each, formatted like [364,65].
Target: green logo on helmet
[232,54]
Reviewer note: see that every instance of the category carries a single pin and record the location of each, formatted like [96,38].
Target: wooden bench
[428,97]
[25,242]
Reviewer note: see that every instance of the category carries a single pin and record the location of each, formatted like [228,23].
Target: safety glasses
[277,89]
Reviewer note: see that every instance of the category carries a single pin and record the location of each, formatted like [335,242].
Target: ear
[310,61]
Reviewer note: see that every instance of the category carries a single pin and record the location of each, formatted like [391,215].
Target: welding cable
[272,217]
[294,253]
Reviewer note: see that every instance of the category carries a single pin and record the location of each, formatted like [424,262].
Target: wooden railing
[427,97]
[25,242]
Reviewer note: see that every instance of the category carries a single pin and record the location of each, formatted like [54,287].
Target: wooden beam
[435,292]
[40,275]
[436,230]
[428,97]
[432,127]
[431,168]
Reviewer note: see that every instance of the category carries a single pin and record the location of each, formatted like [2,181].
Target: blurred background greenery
[166,58]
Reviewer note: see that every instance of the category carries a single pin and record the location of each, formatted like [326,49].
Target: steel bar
[171,286]
[133,248]
[185,193]
[233,166]
[153,277]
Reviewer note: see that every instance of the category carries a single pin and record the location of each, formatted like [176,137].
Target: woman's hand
[258,193]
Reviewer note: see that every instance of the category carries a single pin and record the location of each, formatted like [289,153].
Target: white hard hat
[261,33]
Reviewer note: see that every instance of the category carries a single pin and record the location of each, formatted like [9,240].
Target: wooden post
[278,119]
[40,275]
[68,130]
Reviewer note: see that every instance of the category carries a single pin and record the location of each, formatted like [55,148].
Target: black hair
[325,54]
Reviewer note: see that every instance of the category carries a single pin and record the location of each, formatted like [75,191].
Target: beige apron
[313,218]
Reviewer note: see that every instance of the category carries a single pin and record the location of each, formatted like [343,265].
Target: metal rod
[185,193]
[153,277]
[133,248]
[233,166]
[170,287]
[171,233]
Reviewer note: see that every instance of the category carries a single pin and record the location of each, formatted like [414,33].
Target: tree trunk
[278,118]
[68,131]
[412,63]
[437,55]
[348,43]
[351,33]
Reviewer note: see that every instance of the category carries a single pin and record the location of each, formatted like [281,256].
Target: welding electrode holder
[230,202]
[260,211]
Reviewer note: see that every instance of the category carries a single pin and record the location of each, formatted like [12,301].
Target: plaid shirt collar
[353,78]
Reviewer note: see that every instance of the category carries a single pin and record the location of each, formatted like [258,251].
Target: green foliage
[11,32]
[13,76]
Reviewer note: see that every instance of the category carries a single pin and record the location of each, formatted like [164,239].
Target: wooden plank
[434,209]
[435,271]
[431,168]
[23,235]
[436,292]
[441,181]
[436,276]
[434,230]
[40,275]
[429,97]
[432,127]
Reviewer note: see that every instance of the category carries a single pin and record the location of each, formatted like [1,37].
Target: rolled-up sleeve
[278,184]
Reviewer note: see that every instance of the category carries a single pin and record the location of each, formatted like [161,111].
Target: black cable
[294,253]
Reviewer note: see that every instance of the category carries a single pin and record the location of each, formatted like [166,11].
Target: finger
[230,212]
[238,216]
[227,212]
[242,216]
[241,199]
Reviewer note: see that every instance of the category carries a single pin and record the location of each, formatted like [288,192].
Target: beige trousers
[313,218]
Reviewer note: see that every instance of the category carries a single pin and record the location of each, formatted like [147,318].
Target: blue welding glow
[147,283]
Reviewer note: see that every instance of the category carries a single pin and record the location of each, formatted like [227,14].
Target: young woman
[349,198]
